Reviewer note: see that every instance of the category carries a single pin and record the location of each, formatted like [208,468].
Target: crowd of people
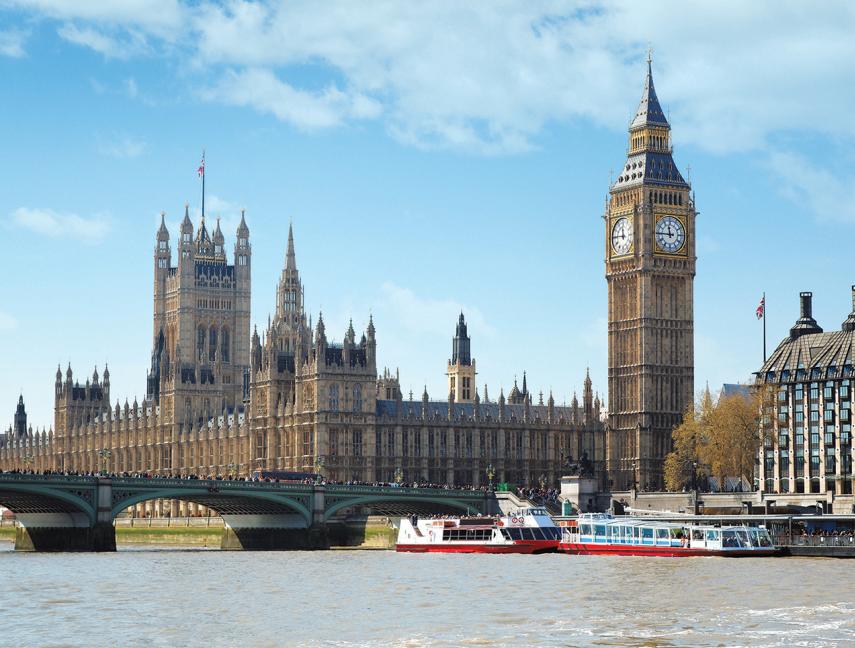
[539,495]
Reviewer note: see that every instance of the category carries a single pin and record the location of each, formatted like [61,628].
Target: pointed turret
[370,329]
[163,232]
[219,240]
[242,230]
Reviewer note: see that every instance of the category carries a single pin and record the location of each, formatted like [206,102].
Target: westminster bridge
[76,513]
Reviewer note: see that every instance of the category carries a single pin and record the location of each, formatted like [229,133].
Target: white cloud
[12,43]
[131,88]
[262,90]
[491,77]
[122,45]
[825,194]
[121,146]
[423,315]
[160,17]
[54,224]
[7,322]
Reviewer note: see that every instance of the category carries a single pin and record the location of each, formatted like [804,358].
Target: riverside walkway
[58,512]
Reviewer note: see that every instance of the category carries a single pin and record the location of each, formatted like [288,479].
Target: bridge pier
[69,531]
[268,532]
[63,532]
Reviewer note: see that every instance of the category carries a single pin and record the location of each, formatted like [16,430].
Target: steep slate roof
[813,356]
[649,111]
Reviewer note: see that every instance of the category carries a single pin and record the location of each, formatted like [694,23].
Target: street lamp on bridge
[491,472]
[399,475]
[104,455]
[319,466]
[232,468]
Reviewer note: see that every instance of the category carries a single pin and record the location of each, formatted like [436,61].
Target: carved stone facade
[650,269]
[220,400]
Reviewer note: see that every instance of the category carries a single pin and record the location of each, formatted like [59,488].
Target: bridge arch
[224,502]
[30,498]
[464,506]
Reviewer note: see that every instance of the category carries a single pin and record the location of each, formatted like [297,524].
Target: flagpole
[764,321]
[203,192]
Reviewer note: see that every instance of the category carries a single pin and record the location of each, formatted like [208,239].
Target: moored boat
[525,531]
[600,533]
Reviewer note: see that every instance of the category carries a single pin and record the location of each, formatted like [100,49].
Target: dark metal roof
[649,111]
[813,356]
[650,168]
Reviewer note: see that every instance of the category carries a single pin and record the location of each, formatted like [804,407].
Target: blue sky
[431,156]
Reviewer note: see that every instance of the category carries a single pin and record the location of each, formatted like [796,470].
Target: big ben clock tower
[650,269]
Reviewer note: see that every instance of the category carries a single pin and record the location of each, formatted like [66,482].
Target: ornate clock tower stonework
[650,269]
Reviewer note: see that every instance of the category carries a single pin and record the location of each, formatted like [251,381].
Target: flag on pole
[201,169]
[761,309]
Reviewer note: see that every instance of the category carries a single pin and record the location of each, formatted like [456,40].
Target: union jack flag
[761,309]
[201,169]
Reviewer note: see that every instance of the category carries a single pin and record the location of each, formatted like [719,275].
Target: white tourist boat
[602,533]
[527,530]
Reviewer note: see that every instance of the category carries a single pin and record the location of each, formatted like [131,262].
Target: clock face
[622,236]
[670,234]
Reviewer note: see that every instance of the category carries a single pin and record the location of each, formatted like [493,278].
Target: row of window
[216,341]
[334,400]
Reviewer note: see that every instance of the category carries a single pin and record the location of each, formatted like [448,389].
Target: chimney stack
[849,322]
[806,324]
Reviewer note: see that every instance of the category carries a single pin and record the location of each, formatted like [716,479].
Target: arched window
[224,345]
[212,344]
[334,397]
[357,398]
[200,343]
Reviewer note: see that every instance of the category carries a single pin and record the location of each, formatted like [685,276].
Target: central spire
[290,257]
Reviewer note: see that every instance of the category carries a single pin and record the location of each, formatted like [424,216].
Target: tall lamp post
[542,482]
[104,455]
[399,475]
[232,468]
[319,466]
[491,472]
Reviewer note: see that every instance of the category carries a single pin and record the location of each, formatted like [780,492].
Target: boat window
[697,534]
[646,534]
[765,540]
[505,534]
[516,534]
[585,529]
[528,534]
[729,538]
[600,529]
[712,535]
[662,534]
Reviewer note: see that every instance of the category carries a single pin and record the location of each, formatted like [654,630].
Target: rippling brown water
[352,598]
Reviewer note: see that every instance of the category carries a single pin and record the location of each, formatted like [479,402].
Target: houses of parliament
[222,398]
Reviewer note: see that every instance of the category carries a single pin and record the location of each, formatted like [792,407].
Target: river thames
[163,597]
